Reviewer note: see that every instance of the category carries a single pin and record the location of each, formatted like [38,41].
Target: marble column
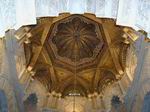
[102,102]
[9,67]
[94,100]
[52,100]
[133,91]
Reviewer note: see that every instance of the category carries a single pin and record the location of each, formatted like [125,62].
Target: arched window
[3,102]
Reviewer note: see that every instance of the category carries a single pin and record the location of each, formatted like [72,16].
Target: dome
[76,39]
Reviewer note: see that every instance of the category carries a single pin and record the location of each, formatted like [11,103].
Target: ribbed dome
[76,39]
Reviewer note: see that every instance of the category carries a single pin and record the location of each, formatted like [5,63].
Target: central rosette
[76,35]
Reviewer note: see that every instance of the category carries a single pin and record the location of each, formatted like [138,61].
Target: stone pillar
[5,84]
[133,92]
[9,67]
[94,100]
[102,102]
[52,101]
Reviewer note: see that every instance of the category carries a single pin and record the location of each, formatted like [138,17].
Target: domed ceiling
[76,39]
[69,47]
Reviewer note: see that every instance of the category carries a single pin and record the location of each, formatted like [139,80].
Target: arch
[103,83]
[64,84]
[69,88]
[69,81]
[101,73]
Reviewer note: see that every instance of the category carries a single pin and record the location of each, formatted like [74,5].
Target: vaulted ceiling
[66,48]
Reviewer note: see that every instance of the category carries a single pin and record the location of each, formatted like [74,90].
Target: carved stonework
[76,39]
[91,48]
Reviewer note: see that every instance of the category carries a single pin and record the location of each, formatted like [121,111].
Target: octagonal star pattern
[76,40]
